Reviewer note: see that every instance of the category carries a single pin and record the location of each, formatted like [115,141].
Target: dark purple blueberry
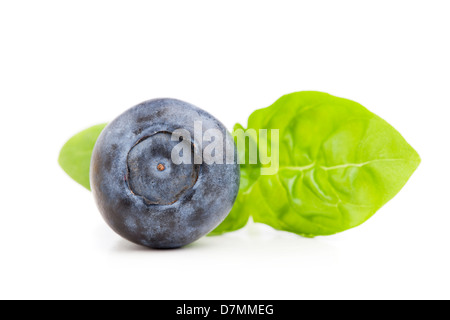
[147,198]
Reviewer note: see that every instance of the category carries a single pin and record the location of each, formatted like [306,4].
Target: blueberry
[147,197]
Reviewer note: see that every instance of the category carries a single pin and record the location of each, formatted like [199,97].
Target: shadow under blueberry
[126,246]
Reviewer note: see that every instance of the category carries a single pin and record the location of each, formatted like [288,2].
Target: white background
[67,65]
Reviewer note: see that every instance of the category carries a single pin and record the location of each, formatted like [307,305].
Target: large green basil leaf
[75,156]
[338,164]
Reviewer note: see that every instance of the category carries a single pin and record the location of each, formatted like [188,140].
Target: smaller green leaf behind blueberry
[75,156]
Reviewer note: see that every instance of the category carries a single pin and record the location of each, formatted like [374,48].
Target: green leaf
[75,156]
[338,164]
